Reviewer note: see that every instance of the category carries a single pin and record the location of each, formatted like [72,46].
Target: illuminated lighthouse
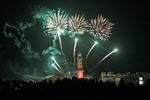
[80,70]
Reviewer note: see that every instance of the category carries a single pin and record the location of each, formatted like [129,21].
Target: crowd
[72,87]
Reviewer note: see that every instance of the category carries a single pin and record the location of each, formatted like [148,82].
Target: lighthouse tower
[80,71]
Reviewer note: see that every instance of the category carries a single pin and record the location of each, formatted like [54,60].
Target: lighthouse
[80,70]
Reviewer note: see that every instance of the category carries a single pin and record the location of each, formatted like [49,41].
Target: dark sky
[130,33]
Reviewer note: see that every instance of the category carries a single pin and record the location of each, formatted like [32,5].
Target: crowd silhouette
[72,87]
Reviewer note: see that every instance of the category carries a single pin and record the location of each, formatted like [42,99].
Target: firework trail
[77,25]
[115,50]
[59,32]
[89,52]
[74,51]
[100,28]
[57,64]
[57,24]
[56,68]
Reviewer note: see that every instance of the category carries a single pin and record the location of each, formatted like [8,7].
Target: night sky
[130,35]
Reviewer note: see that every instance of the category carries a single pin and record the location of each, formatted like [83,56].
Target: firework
[57,24]
[100,28]
[41,14]
[89,52]
[77,25]
[74,51]
[57,64]
[56,68]
[115,50]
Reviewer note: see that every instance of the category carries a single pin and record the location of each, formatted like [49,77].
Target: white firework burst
[77,25]
[57,22]
[100,28]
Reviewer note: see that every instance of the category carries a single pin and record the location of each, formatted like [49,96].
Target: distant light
[140,78]
[116,50]
[141,82]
